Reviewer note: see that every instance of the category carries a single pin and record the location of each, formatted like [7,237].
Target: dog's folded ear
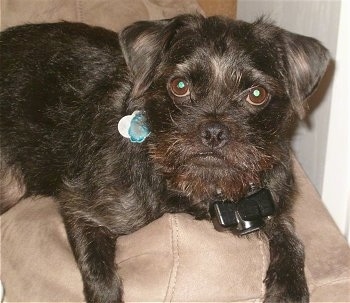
[307,60]
[144,43]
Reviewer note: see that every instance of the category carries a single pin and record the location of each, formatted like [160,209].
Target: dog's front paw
[111,297]
[97,293]
[287,290]
[286,297]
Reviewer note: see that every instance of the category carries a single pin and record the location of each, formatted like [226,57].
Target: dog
[165,116]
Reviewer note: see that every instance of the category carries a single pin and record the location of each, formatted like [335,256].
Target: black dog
[211,101]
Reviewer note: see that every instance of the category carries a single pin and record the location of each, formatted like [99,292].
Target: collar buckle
[248,214]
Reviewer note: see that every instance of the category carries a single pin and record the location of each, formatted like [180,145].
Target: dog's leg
[94,250]
[285,279]
[93,245]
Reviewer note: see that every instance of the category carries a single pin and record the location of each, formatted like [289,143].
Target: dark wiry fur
[65,86]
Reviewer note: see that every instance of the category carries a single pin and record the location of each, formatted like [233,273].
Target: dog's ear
[306,60]
[143,44]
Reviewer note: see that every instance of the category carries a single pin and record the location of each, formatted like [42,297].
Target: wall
[219,7]
[336,183]
[319,19]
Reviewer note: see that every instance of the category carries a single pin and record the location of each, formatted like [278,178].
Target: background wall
[336,181]
[317,136]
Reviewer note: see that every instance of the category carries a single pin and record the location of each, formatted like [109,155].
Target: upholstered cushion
[175,258]
[111,14]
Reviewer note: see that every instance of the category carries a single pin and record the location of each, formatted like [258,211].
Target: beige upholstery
[174,258]
[112,14]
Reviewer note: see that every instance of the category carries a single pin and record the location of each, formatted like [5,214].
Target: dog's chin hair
[232,178]
[205,183]
[200,188]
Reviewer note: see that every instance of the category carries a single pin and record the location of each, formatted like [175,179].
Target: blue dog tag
[134,127]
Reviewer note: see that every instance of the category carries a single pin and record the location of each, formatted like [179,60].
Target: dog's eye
[179,87]
[257,95]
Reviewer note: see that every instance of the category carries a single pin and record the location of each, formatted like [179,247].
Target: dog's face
[218,96]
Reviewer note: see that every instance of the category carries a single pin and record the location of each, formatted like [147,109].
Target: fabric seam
[79,8]
[264,267]
[176,257]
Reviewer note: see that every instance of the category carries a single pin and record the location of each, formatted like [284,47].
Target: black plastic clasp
[248,214]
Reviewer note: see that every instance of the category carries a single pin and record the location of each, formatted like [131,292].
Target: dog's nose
[214,134]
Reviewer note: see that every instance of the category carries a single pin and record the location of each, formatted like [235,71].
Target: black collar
[248,214]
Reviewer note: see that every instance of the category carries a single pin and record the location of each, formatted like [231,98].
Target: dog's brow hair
[237,75]
[218,65]
[222,73]
[183,67]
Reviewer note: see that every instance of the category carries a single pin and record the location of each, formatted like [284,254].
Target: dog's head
[218,96]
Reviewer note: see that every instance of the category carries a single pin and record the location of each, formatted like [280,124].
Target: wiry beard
[231,173]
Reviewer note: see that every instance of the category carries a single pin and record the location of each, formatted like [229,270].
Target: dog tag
[134,127]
